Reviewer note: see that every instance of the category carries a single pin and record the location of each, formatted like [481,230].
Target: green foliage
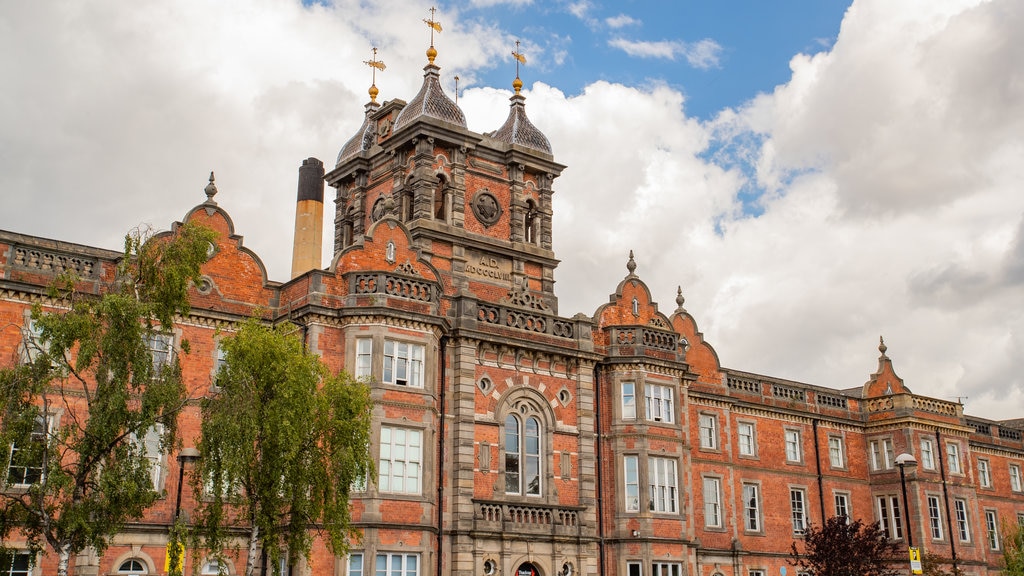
[76,412]
[282,443]
[935,565]
[843,547]
[1013,549]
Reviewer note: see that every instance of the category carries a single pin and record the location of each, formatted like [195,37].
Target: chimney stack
[309,218]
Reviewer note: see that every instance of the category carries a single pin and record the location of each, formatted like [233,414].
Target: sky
[814,175]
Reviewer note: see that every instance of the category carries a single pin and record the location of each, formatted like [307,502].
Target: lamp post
[904,460]
[174,548]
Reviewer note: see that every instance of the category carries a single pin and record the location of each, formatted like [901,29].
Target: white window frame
[794,450]
[149,448]
[127,569]
[984,473]
[389,559]
[1016,483]
[746,435]
[401,460]
[666,569]
[890,516]
[963,526]
[219,357]
[161,351]
[875,456]
[798,510]
[403,363]
[634,569]
[364,358]
[631,482]
[751,507]
[841,503]
[663,482]
[707,425]
[524,455]
[629,400]
[836,452]
[712,495]
[992,529]
[32,342]
[888,453]
[15,568]
[211,568]
[927,454]
[355,563]
[756,572]
[934,516]
[953,458]
[658,401]
[41,430]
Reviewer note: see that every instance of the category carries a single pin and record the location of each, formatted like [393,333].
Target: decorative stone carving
[486,208]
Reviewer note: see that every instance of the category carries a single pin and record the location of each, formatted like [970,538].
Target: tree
[79,414]
[282,444]
[843,547]
[1013,549]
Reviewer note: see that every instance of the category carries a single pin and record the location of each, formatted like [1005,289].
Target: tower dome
[431,101]
[364,138]
[518,129]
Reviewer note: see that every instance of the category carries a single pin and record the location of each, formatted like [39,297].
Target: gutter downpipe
[440,457]
[817,463]
[600,473]
[945,496]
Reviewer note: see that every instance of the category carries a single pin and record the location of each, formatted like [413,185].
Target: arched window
[212,568]
[132,567]
[522,455]
[407,206]
[530,222]
[441,200]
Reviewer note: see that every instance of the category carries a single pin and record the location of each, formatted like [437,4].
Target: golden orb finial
[431,54]
[375,65]
[517,84]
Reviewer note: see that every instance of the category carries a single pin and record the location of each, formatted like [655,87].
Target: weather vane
[376,65]
[434,25]
[520,59]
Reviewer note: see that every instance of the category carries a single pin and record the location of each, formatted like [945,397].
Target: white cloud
[621,21]
[892,162]
[702,54]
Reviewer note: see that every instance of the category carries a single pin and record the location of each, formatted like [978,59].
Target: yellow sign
[179,554]
[915,561]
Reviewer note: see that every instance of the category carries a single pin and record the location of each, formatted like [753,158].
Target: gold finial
[517,84]
[435,26]
[376,65]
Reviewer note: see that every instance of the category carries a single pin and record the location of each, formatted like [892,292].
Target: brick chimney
[309,218]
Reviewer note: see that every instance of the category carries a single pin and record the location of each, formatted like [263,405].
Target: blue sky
[813,174]
[753,42]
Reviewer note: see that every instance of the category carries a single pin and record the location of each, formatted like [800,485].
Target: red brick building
[511,440]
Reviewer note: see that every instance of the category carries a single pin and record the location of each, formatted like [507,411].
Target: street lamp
[904,460]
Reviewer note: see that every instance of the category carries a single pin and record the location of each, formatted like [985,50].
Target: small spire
[211,190]
[456,89]
[631,265]
[435,26]
[679,298]
[375,65]
[881,346]
[517,84]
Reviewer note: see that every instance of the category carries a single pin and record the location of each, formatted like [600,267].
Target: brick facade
[638,453]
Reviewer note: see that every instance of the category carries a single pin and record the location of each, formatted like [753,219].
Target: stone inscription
[488,267]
